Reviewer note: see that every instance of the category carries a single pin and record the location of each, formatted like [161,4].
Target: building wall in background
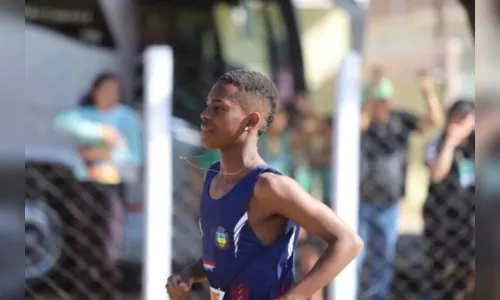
[325,34]
[240,46]
[401,37]
[488,41]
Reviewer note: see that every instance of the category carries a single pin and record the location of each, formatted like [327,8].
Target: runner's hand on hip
[178,287]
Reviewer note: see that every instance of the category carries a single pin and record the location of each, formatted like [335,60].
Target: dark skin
[231,125]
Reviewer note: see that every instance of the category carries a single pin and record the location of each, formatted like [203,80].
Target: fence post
[158,83]
[345,165]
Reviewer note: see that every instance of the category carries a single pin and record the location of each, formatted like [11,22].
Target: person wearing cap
[384,156]
[449,209]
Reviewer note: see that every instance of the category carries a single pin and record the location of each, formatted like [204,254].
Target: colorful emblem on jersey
[221,238]
[208,265]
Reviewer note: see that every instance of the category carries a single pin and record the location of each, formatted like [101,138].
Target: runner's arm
[282,195]
[195,272]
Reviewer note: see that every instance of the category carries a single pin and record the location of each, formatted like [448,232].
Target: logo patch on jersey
[208,265]
[221,238]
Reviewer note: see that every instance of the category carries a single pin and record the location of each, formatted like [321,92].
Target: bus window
[255,35]
[243,35]
[278,30]
[212,38]
[190,31]
[283,74]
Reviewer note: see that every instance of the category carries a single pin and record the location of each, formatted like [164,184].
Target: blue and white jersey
[237,264]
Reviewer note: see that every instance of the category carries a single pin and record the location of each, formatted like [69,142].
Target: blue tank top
[234,259]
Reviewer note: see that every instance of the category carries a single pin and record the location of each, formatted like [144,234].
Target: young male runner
[249,213]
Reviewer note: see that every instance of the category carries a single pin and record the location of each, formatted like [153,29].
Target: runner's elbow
[357,243]
[352,241]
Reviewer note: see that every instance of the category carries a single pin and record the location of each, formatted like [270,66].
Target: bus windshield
[207,41]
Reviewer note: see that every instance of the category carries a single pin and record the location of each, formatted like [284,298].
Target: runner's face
[223,121]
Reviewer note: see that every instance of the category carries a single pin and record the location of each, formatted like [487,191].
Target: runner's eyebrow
[221,101]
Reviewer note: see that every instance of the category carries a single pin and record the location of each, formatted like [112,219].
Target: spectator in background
[311,247]
[304,129]
[449,209]
[302,133]
[384,151]
[322,159]
[306,120]
[275,144]
[108,135]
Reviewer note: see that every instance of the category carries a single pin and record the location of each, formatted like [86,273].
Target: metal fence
[64,239]
[68,248]
[436,261]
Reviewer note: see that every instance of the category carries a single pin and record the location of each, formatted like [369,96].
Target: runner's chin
[208,140]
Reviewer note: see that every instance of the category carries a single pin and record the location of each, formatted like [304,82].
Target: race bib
[467,172]
[216,294]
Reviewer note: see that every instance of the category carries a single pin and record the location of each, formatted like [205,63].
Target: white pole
[345,165]
[158,83]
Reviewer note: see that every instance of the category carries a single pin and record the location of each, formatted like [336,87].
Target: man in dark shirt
[384,151]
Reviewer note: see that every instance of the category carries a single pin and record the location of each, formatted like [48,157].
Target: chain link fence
[69,250]
[436,261]
[65,241]
[68,246]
